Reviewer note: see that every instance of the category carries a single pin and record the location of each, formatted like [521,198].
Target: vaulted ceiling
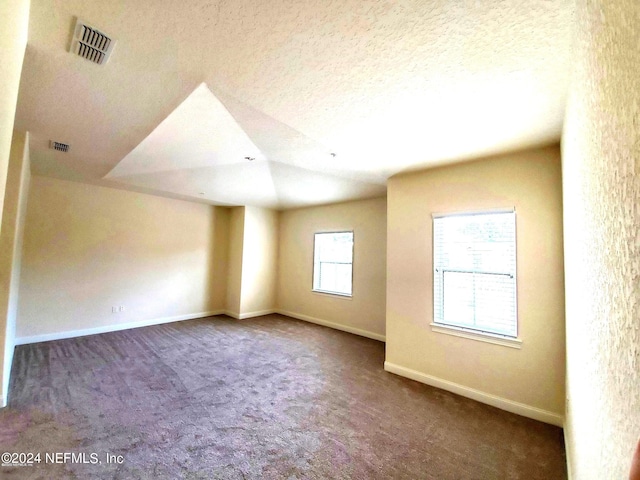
[289,103]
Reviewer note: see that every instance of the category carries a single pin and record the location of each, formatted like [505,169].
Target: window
[333,263]
[474,276]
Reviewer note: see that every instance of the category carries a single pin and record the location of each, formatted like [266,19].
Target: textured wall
[88,248]
[364,313]
[601,168]
[529,380]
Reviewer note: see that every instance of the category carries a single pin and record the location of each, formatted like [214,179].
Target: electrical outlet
[114,309]
[122,308]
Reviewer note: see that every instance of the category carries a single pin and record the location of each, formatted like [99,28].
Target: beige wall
[14,26]
[220,268]
[236,246]
[601,177]
[10,251]
[89,248]
[253,261]
[529,380]
[364,313]
[259,262]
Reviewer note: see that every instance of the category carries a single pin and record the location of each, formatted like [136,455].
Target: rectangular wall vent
[61,147]
[90,43]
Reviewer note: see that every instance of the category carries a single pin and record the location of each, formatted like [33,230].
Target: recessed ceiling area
[191,90]
[202,149]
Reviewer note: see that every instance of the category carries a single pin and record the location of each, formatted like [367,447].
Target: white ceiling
[192,88]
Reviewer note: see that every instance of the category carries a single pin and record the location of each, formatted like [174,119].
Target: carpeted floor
[270,397]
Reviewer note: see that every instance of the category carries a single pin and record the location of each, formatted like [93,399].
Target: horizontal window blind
[474,278]
[333,262]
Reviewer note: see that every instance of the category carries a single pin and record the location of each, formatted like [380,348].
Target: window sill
[342,296]
[480,337]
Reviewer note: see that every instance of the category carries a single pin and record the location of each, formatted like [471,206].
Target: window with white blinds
[333,263]
[474,275]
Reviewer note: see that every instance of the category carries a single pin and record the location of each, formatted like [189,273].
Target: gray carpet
[270,397]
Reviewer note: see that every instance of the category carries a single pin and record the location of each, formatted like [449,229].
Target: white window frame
[439,325]
[329,292]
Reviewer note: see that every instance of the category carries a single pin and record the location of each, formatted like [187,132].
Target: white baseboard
[493,400]
[258,313]
[242,316]
[112,328]
[337,326]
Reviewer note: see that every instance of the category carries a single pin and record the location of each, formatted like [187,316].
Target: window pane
[479,301]
[458,299]
[333,262]
[475,272]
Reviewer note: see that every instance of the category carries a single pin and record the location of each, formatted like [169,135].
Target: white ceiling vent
[90,43]
[60,147]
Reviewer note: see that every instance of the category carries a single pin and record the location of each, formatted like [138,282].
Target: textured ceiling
[387,86]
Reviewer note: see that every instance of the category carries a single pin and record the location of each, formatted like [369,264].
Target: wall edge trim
[567,446]
[336,326]
[46,337]
[483,397]
[9,352]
